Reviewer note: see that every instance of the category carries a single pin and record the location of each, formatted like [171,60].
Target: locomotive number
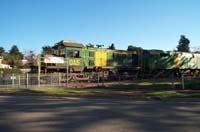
[75,62]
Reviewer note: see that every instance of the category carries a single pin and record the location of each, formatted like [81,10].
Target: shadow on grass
[156,85]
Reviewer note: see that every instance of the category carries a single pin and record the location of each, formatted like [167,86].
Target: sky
[150,24]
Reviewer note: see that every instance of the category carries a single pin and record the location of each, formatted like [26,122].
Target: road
[82,114]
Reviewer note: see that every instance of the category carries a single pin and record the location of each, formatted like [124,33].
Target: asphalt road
[71,114]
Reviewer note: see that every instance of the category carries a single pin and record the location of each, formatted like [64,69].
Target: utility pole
[67,70]
[39,68]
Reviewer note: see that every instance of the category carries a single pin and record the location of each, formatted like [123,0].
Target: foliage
[1,51]
[30,57]
[14,60]
[16,71]
[14,57]
[47,50]
[15,51]
[10,71]
[183,44]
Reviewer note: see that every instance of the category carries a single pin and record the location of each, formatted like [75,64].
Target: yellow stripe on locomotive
[100,58]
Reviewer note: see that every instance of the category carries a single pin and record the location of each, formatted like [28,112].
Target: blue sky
[151,24]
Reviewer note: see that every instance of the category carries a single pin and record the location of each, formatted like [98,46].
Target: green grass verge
[48,91]
[166,94]
[113,93]
[172,94]
[157,85]
[66,91]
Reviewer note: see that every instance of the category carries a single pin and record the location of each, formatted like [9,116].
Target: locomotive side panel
[100,58]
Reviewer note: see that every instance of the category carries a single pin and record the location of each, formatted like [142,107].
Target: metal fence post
[19,81]
[67,71]
[13,80]
[38,80]
[103,79]
[183,83]
[39,68]
[173,86]
[51,75]
[27,80]
[98,78]
[59,79]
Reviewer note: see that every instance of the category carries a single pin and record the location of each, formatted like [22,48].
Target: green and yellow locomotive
[78,59]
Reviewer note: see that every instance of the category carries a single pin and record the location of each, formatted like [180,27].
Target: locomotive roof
[68,43]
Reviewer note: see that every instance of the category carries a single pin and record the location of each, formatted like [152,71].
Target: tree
[15,51]
[1,51]
[31,59]
[47,50]
[183,44]
[112,46]
[14,57]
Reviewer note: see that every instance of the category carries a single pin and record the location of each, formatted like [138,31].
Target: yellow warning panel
[100,58]
[177,61]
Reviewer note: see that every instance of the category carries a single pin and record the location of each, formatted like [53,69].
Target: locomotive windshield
[73,53]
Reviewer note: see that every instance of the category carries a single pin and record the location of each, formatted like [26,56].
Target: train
[77,58]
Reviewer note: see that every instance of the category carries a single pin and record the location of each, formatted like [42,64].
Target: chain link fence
[33,80]
[85,80]
[30,80]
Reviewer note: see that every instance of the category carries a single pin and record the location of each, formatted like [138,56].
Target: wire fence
[32,80]
[190,82]
[85,80]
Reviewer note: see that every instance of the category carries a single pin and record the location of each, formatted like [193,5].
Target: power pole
[39,68]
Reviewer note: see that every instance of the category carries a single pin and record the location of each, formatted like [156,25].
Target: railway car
[158,62]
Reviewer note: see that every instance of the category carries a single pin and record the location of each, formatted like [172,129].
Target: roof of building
[69,43]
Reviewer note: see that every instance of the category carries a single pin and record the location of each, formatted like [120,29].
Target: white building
[5,66]
[1,59]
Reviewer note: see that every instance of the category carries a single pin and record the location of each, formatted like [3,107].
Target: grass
[172,94]
[165,94]
[192,84]
[146,85]
[47,91]
[113,93]
[139,90]
[66,91]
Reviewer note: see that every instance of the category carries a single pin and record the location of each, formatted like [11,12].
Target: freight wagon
[158,62]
